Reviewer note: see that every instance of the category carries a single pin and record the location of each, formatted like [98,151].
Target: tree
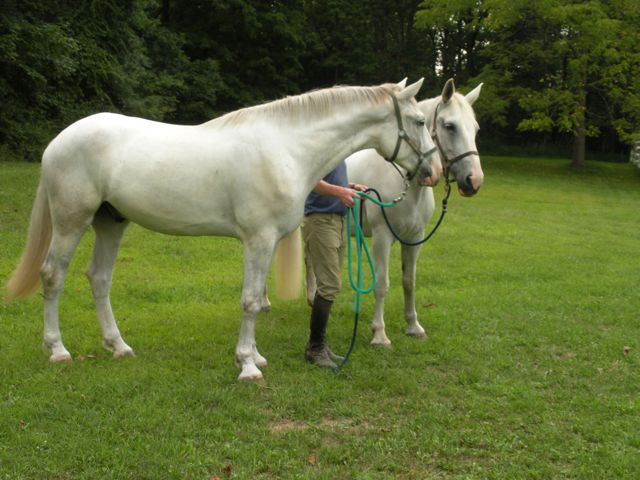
[457,30]
[556,72]
[256,46]
[60,61]
[581,52]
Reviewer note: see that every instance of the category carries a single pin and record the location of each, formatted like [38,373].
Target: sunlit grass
[528,293]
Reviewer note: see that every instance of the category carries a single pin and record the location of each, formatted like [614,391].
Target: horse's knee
[408,282]
[252,305]
[381,289]
[100,282]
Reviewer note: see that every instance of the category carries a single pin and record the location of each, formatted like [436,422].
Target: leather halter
[448,161]
[402,135]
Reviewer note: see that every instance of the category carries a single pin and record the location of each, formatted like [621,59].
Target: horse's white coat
[456,128]
[244,175]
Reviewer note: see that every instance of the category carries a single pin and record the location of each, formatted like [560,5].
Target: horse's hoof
[419,334]
[386,343]
[60,358]
[124,353]
[250,373]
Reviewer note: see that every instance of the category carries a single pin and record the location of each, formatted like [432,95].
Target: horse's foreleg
[381,245]
[257,257]
[52,274]
[409,260]
[108,236]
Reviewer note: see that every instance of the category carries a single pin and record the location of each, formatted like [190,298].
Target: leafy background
[559,75]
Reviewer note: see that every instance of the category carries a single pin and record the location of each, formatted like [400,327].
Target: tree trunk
[579,141]
[580,130]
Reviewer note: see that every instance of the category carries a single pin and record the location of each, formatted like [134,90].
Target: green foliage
[561,68]
[552,69]
[527,292]
[60,62]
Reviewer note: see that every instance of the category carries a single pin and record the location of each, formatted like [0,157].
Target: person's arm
[345,195]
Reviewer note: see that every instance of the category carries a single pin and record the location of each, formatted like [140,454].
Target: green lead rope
[361,244]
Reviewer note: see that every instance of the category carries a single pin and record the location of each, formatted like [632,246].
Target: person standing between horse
[325,238]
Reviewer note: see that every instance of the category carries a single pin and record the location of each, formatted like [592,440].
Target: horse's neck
[320,147]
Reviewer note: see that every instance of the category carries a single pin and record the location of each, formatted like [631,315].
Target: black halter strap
[402,135]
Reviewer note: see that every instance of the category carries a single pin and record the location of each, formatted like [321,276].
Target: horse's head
[406,140]
[454,128]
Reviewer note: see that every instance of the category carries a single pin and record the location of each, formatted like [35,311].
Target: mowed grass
[529,293]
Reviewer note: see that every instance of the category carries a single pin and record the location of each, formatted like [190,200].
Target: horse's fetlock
[50,340]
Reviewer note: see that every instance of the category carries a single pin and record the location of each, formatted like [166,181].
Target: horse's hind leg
[258,252]
[409,260]
[64,240]
[108,236]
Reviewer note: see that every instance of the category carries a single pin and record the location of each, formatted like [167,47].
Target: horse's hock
[634,157]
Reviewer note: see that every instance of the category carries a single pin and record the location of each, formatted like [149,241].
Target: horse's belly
[182,226]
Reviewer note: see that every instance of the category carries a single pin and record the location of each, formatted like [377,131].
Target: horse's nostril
[429,171]
[468,182]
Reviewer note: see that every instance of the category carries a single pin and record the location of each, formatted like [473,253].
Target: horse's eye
[450,127]
[421,123]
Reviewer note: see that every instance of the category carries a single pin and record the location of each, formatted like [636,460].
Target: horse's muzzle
[429,181]
[430,176]
[469,186]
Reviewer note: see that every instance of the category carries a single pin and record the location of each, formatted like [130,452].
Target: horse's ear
[448,90]
[402,82]
[473,95]
[410,91]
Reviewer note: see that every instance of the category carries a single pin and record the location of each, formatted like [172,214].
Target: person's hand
[358,188]
[346,196]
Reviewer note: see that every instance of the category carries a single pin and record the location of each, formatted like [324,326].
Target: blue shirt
[316,203]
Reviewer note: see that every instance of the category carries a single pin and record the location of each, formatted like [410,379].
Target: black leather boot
[317,350]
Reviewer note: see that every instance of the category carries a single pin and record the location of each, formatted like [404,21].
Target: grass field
[529,293]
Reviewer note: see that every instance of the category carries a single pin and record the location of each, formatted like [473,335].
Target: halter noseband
[402,135]
[448,161]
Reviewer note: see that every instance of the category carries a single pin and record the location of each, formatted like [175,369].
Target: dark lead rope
[445,200]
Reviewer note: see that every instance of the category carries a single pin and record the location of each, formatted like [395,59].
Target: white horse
[244,175]
[453,127]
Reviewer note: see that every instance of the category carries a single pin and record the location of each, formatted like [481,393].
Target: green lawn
[529,293]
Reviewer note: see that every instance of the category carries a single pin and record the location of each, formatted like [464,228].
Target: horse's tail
[25,279]
[288,266]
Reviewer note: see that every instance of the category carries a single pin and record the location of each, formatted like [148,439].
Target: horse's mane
[312,105]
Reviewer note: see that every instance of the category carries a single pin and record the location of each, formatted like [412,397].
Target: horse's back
[103,134]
